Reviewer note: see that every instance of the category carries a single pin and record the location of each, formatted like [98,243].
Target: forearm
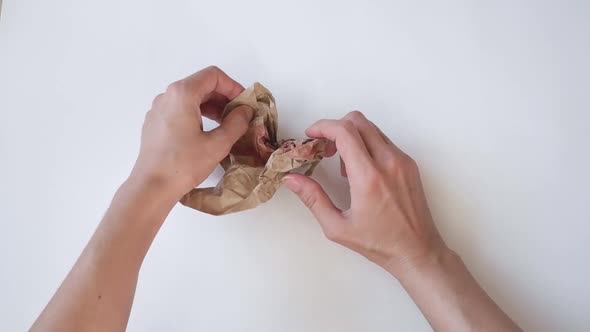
[98,292]
[175,156]
[450,298]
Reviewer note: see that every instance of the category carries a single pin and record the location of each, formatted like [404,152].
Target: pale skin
[388,221]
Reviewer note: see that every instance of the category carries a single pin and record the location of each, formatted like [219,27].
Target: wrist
[438,257]
[164,188]
[168,185]
[442,262]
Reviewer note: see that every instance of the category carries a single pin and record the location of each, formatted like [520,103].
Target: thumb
[232,127]
[317,201]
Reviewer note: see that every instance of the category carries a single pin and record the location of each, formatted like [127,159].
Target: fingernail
[292,184]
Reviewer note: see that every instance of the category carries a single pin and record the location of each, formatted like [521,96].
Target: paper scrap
[257,162]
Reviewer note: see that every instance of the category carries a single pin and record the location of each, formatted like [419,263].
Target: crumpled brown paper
[257,162]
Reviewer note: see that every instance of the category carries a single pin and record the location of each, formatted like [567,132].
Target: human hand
[388,220]
[174,148]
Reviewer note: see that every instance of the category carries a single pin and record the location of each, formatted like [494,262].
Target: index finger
[349,143]
[209,81]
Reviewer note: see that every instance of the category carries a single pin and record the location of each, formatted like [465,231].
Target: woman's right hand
[388,220]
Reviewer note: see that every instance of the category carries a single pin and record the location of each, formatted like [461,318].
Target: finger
[330,149]
[375,144]
[202,84]
[233,126]
[213,108]
[317,201]
[348,141]
[212,111]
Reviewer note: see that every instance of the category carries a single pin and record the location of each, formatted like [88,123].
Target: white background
[491,98]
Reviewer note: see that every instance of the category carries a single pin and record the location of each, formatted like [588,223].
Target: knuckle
[373,179]
[147,116]
[157,100]
[213,69]
[348,126]
[389,160]
[175,88]
[315,188]
[393,162]
[309,199]
[408,163]
[310,195]
[355,116]
[404,166]
[221,133]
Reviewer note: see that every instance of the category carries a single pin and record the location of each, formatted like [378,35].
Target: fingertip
[243,113]
[238,88]
[294,177]
[292,183]
[232,127]
[314,131]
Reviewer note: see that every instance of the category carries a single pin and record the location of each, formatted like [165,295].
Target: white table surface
[491,98]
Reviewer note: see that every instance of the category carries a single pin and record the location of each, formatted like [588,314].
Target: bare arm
[389,223]
[175,156]
[451,298]
[98,292]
